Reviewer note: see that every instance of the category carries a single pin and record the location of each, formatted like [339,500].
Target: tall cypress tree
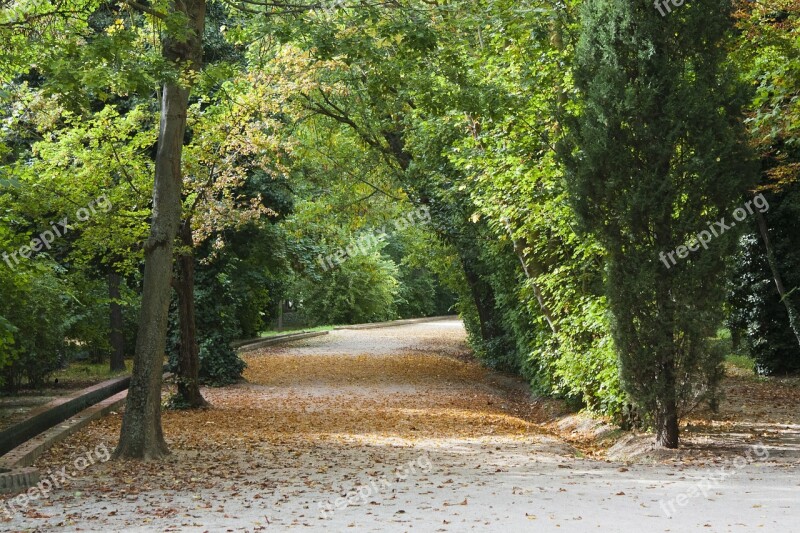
[654,156]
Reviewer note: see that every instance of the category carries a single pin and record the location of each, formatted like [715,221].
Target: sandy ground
[392,430]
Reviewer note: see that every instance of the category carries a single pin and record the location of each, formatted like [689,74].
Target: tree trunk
[141,436]
[666,406]
[483,296]
[115,311]
[667,433]
[776,275]
[188,394]
[479,297]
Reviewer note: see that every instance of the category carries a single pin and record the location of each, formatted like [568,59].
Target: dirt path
[389,430]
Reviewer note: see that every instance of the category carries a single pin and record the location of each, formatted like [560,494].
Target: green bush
[35,312]
[217,326]
[420,293]
[89,325]
[362,289]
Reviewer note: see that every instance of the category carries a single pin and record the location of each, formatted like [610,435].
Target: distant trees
[759,321]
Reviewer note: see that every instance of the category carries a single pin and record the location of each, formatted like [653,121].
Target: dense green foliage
[769,53]
[363,289]
[758,319]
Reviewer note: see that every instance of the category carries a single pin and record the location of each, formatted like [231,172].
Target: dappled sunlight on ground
[317,402]
[753,410]
[286,399]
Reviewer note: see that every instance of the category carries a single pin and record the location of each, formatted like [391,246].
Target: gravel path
[390,430]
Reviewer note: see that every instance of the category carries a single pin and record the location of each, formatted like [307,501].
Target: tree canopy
[224,165]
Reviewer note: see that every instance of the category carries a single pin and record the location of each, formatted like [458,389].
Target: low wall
[58,410]
[257,344]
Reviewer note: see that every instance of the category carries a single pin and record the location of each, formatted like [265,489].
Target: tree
[399,46]
[768,51]
[654,158]
[236,139]
[141,435]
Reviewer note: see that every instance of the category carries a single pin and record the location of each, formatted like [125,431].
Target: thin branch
[146,9]
[124,169]
[340,115]
[367,197]
[355,176]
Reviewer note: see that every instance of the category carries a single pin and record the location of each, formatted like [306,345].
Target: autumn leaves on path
[319,414]
[362,387]
[377,388]
[393,429]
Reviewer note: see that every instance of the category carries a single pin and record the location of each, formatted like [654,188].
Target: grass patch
[740,366]
[97,372]
[267,334]
[736,364]
[742,362]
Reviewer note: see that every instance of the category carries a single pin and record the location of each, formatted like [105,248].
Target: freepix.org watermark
[55,479]
[58,229]
[362,495]
[367,242]
[715,229]
[665,4]
[705,484]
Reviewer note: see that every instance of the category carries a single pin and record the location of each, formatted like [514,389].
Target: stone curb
[26,453]
[278,339]
[16,473]
[18,479]
[286,336]
[58,410]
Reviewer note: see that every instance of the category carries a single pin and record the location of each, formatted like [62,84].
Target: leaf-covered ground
[753,410]
[380,430]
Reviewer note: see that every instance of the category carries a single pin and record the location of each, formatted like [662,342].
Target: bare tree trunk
[484,300]
[188,394]
[776,275]
[115,311]
[141,436]
[666,387]
[667,430]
